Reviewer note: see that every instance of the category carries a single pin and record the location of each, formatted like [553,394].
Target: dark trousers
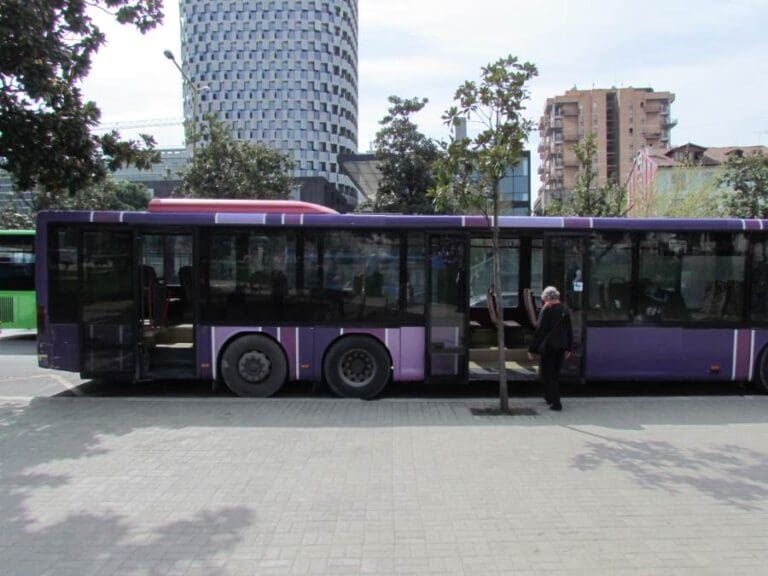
[549,370]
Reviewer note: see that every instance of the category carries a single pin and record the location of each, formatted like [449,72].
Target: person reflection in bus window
[374,279]
[279,281]
[334,286]
[656,297]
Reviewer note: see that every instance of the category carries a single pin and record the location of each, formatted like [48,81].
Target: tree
[108,194]
[46,48]
[682,191]
[472,169]
[747,176]
[405,157]
[227,168]
[587,198]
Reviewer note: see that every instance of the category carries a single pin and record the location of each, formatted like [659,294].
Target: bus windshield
[17,263]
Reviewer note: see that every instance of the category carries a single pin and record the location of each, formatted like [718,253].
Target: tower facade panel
[280,72]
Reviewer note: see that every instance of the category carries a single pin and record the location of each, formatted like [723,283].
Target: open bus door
[563,269]
[108,304]
[447,311]
[166,305]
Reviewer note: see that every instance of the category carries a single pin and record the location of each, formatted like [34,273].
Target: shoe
[556,407]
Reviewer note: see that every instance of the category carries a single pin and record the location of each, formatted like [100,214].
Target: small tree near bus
[587,198]
[227,168]
[470,173]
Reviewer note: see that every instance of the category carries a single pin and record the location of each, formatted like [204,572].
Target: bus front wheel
[761,380]
[357,367]
[254,366]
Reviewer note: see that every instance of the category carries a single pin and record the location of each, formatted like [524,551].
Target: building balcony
[669,123]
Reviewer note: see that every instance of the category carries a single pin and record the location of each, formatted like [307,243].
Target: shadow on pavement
[730,474]
[83,534]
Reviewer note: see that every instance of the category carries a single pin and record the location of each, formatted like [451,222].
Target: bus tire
[357,367]
[254,366]
[761,378]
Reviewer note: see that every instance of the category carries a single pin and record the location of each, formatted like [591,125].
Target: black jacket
[554,329]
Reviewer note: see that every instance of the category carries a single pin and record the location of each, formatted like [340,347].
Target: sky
[712,54]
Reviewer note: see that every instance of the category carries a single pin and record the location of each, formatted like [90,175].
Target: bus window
[251,276]
[358,278]
[759,268]
[17,263]
[610,277]
[416,283]
[691,277]
[63,274]
[481,272]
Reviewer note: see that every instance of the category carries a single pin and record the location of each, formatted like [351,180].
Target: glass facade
[515,188]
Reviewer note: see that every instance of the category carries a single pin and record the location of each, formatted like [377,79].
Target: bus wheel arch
[760,381]
[357,366]
[253,365]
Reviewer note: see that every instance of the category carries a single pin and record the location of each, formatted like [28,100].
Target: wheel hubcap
[358,368]
[254,366]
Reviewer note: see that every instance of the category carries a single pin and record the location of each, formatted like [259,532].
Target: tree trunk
[499,292]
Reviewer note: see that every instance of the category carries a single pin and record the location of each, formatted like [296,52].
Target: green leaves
[46,48]
[108,194]
[405,157]
[227,168]
[468,177]
[587,198]
[747,176]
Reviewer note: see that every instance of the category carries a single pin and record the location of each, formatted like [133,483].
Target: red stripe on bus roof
[241,206]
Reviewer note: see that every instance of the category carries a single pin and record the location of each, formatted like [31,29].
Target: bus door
[447,318]
[108,304]
[563,268]
[166,305]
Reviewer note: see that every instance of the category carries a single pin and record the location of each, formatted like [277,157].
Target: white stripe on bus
[735,348]
[213,351]
[297,354]
[751,354]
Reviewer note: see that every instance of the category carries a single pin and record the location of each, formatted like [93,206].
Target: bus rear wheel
[357,367]
[761,381]
[254,366]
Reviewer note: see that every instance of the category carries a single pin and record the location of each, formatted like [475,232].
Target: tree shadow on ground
[62,514]
[730,474]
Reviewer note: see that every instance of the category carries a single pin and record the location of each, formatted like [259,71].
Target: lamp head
[168,54]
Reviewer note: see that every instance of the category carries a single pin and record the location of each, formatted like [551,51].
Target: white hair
[550,293]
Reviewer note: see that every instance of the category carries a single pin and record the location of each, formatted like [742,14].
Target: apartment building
[623,120]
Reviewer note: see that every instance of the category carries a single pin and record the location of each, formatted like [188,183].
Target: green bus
[17,279]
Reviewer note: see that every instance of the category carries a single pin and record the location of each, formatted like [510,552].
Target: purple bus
[257,295]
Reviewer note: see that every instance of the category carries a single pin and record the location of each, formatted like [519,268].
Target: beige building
[624,120]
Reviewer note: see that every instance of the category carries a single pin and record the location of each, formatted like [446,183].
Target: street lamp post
[195,95]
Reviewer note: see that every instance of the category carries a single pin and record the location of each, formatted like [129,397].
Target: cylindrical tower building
[280,72]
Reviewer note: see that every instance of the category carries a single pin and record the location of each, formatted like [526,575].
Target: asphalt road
[21,377]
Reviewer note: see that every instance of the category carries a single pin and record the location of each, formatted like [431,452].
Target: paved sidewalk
[230,486]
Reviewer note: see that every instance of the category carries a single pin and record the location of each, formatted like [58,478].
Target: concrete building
[280,72]
[623,120]
[661,178]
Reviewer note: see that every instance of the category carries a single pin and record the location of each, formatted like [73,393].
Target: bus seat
[530,307]
[149,289]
